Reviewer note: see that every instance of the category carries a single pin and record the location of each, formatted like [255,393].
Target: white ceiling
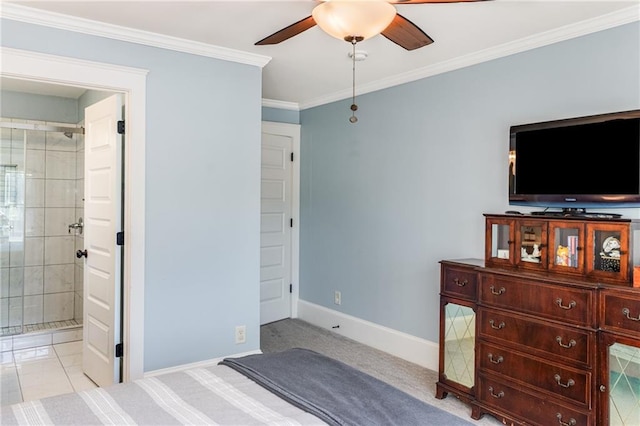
[313,68]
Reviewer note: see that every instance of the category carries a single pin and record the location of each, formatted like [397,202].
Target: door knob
[81,253]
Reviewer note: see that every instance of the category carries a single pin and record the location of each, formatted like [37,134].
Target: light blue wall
[279,115]
[202,192]
[382,201]
[28,106]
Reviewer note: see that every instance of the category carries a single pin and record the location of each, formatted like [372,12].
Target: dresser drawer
[620,311]
[459,281]
[565,304]
[566,382]
[547,340]
[514,401]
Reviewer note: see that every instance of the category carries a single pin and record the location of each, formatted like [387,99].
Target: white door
[275,227]
[103,217]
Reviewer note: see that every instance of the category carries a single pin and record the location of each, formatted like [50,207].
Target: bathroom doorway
[42,206]
[36,67]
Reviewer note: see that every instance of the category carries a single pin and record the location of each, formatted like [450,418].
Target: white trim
[292,131]
[199,364]
[86,26]
[272,103]
[131,81]
[411,348]
[614,19]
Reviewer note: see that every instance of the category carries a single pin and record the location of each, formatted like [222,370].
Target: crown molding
[272,103]
[65,22]
[85,26]
[604,22]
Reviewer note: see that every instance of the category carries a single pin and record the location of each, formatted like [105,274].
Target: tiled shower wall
[52,202]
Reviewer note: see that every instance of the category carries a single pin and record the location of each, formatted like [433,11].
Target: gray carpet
[409,377]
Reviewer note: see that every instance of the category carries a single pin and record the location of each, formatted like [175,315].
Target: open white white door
[103,217]
[275,227]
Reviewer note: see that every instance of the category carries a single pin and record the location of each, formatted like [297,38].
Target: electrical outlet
[337,298]
[241,334]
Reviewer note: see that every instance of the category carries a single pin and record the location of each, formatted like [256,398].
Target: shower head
[68,134]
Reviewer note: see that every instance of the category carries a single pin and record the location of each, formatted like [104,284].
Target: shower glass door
[12,230]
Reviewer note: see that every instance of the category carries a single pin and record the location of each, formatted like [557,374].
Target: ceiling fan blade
[406,34]
[288,32]
[431,1]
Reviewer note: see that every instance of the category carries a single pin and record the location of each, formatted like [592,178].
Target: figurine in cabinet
[562,256]
[536,251]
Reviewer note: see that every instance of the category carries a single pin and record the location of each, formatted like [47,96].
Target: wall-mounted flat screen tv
[576,163]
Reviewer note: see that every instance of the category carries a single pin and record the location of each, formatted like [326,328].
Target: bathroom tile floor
[33,373]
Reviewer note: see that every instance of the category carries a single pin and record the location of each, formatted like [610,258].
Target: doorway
[131,82]
[51,311]
[279,221]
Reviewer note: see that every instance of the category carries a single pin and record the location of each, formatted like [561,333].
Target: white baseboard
[199,364]
[413,349]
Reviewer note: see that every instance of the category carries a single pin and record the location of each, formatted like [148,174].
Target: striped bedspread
[200,396]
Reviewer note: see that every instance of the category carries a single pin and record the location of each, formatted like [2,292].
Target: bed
[293,387]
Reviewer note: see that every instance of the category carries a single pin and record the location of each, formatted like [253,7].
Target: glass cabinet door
[457,349]
[605,257]
[499,247]
[459,344]
[620,405]
[531,244]
[566,247]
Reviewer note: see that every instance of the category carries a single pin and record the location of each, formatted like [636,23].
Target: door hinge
[119,350]
[120,238]
[292,156]
[291,223]
[121,127]
[290,288]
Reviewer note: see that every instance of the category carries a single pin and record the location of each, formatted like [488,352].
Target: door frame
[292,131]
[28,65]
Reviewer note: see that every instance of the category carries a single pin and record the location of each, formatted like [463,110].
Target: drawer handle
[497,293]
[571,304]
[570,382]
[571,344]
[498,360]
[626,312]
[571,422]
[496,327]
[496,395]
[460,283]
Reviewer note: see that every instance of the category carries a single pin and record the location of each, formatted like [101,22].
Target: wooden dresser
[545,342]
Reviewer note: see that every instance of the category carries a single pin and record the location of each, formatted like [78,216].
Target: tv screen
[577,162]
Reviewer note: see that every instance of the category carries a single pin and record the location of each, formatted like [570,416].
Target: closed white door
[275,227]
[103,218]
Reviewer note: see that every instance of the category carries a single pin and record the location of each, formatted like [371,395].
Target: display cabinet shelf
[598,250]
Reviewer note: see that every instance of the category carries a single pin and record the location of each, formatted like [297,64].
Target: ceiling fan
[394,26]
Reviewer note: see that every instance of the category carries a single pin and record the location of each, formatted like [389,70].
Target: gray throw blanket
[337,393]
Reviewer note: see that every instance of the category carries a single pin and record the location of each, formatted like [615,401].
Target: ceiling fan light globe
[345,19]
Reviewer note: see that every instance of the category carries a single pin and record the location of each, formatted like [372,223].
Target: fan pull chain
[354,107]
